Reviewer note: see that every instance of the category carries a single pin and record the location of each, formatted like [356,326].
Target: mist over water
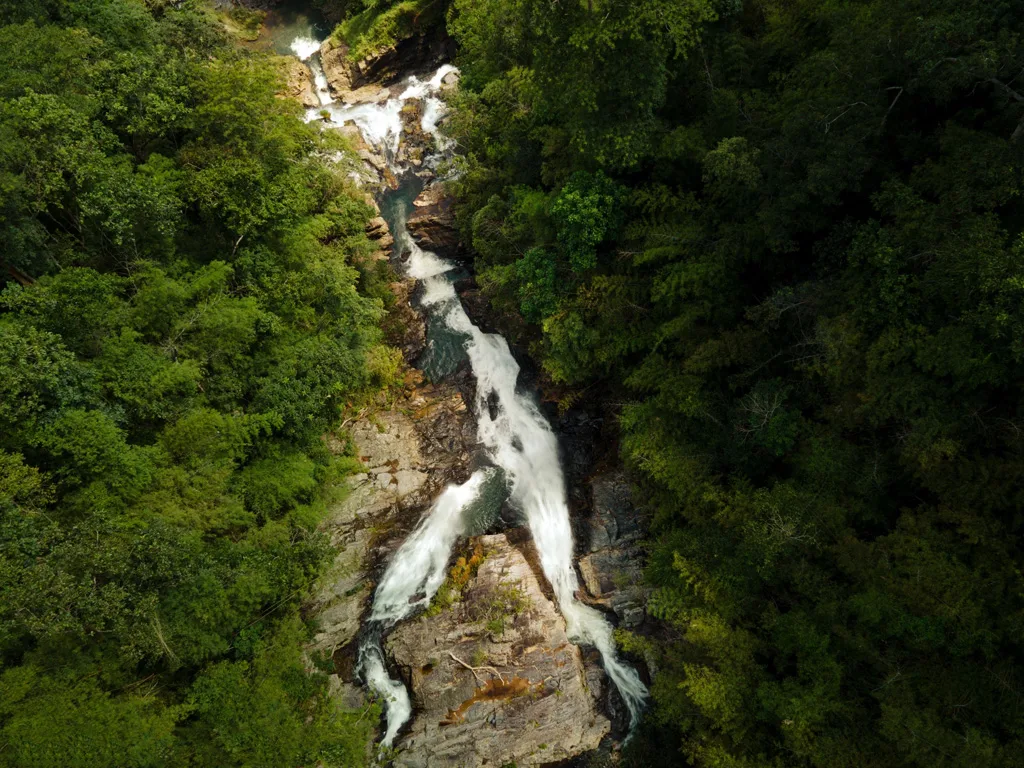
[517,437]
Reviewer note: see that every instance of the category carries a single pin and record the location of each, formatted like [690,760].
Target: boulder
[367,94]
[298,82]
[416,143]
[612,569]
[432,223]
[334,60]
[494,678]
[450,82]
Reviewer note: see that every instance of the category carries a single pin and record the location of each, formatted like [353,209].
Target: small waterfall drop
[412,578]
[511,427]
[307,49]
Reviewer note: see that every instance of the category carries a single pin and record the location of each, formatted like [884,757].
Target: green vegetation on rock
[383,23]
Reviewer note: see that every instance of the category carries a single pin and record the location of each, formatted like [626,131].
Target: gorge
[645,392]
[518,465]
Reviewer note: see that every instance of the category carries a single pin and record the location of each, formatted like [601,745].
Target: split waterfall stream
[518,439]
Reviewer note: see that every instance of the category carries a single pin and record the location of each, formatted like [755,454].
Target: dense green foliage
[371,26]
[789,234]
[180,323]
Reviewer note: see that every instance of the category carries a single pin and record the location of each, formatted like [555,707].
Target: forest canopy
[182,318]
[787,235]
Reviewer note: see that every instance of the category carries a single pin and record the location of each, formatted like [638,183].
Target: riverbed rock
[415,142]
[334,60]
[298,81]
[527,700]
[432,222]
[404,327]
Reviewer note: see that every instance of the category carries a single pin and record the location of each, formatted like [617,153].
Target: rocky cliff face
[612,566]
[432,223]
[411,451]
[355,81]
[494,678]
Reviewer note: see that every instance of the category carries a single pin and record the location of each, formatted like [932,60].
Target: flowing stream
[518,439]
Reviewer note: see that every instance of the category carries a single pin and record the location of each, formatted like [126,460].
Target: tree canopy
[788,235]
[182,318]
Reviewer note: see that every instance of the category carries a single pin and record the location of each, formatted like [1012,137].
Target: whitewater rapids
[511,427]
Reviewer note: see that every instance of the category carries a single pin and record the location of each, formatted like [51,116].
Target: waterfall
[418,568]
[518,440]
[307,49]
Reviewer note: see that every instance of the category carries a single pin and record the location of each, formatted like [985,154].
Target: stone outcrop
[298,81]
[368,168]
[410,451]
[420,51]
[404,328]
[367,79]
[342,78]
[612,569]
[494,678]
[416,142]
[432,223]
[333,58]
[380,235]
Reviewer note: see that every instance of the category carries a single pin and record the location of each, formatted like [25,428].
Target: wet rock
[411,452]
[405,328]
[415,142]
[368,94]
[432,223]
[612,571]
[374,162]
[492,405]
[527,701]
[334,59]
[298,81]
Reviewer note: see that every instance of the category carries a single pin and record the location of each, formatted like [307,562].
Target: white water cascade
[307,49]
[419,567]
[511,427]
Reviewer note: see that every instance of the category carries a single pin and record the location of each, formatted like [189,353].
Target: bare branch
[899,92]
[474,670]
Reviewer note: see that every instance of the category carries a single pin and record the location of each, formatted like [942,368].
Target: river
[520,444]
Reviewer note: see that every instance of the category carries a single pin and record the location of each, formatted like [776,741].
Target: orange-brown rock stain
[492,690]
